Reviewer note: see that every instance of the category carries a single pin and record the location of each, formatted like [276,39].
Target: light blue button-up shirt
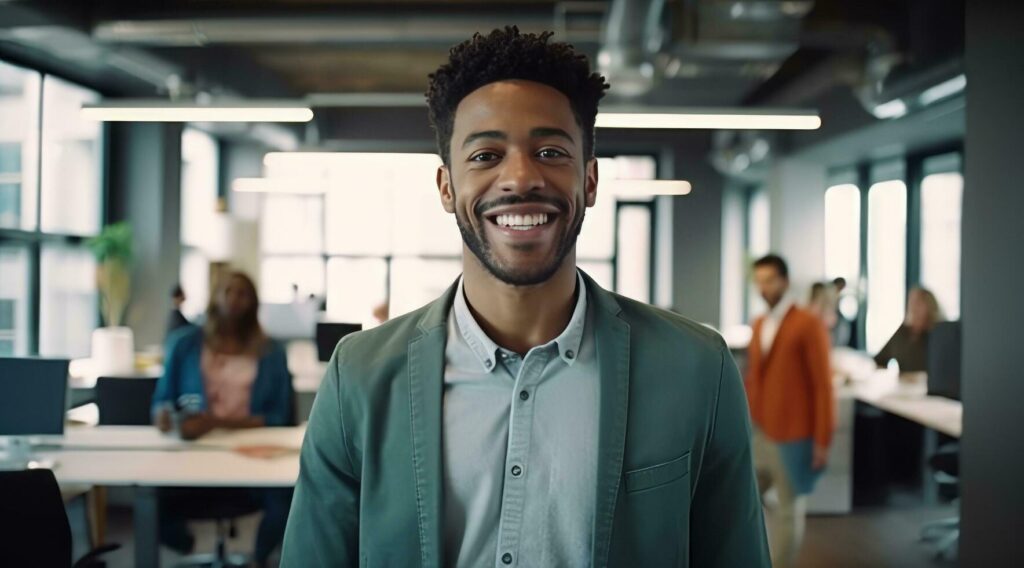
[519,445]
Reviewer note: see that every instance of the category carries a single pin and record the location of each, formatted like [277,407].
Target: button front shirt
[519,445]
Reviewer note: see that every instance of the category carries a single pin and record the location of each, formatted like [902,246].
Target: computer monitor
[329,334]
[944,360]
[32,403]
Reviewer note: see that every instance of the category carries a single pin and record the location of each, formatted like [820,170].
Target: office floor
[871,537]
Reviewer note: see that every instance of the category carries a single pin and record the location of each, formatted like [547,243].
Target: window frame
[34,240]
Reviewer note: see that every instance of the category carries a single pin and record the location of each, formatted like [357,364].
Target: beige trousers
[785,511]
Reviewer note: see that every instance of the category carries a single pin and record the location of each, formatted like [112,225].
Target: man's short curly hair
[507,54]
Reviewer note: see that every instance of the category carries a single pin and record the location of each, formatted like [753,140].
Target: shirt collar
[781,309]
[486,350]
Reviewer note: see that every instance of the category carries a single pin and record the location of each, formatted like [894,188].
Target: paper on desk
[289,439]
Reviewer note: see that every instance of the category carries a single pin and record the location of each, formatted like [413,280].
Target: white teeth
[521,222]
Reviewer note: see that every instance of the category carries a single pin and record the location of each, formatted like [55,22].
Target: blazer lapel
[426,383]
[612,337]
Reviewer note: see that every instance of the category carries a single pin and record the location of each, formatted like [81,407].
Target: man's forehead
[516,104]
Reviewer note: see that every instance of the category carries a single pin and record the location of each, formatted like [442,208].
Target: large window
[941,207]
[378,235]
[72,158]
[887,258]
[19,146]
[51,195]
[199,163]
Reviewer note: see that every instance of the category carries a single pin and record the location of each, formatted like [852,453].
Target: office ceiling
[702,53]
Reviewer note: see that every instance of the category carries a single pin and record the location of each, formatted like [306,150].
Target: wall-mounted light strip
[297,186]
[144,110]
[646,187]
[709,119]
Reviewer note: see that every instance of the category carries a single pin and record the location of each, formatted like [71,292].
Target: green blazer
[675,485]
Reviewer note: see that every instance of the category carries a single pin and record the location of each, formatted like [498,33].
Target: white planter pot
[113,351]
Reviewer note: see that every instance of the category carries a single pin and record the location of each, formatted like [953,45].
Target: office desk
[935,413]
[145,459]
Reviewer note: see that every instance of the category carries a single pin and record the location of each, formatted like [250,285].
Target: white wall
[797,192]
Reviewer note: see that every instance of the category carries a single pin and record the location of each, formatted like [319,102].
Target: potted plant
[113,346]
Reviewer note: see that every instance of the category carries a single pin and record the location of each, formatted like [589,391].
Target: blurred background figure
[176,319]
[225,374]
[909,344]
[380,312]
[789,387]
[824,303]
[844,332]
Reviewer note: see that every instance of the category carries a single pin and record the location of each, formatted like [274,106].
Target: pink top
[229,380]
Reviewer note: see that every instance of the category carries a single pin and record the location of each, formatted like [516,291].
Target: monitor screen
[329,334]
[32,395]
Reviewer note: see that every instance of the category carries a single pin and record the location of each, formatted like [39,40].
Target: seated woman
[909,345]
[225,374]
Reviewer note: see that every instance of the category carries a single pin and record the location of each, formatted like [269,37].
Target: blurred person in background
[909,344]
[225,374]
[844,333]
[176,319]
[823,303]
[789,386]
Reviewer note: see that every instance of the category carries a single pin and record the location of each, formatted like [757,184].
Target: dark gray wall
[145,178]
[697,237]
[992,451]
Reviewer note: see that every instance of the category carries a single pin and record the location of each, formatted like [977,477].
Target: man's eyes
[547,153]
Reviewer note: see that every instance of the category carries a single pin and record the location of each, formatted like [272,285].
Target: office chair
[125,401]
[944,380]
[34,522]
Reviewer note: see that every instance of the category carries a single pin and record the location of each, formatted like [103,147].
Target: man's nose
[520,173]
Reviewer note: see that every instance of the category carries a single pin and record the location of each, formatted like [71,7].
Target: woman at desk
[904,440]
[225,374]
[909,345]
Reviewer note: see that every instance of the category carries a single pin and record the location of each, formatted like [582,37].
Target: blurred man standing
[789,387]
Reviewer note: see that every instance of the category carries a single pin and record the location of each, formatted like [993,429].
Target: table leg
[146,517]
[928,484]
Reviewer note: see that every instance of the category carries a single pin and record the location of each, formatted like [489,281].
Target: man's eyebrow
[544,132]
[484,134]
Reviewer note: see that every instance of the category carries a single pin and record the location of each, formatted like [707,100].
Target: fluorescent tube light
[647,187]
[731,119]
[279,185]
[942,90]
[171,111]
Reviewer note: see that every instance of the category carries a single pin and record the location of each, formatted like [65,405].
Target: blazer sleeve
[820,369]
[278,410]
[169,383]
[323,525]
[726,521]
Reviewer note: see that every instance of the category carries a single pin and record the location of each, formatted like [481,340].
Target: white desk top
[121,456]
[882,389]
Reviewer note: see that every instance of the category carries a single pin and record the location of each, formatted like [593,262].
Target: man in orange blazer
[789,387]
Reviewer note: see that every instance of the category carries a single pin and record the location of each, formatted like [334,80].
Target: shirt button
[516,471]
[488,363]
[506,558]
[523,395]
[570,354]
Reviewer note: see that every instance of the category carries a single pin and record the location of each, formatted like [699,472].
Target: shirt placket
[517,466]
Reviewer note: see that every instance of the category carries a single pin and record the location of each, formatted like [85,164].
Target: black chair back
[125,401]
[944,360]
[33,522]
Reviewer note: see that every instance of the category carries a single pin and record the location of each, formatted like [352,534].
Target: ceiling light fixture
[145,110]
[709,119]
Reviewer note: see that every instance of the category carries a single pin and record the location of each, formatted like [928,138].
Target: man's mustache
[518,200]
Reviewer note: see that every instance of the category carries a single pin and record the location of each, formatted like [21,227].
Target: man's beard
[481,248]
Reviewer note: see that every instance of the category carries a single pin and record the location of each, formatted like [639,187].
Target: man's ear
[590,182]
[445,189]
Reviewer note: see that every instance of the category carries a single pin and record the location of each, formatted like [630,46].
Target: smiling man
[527,417]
